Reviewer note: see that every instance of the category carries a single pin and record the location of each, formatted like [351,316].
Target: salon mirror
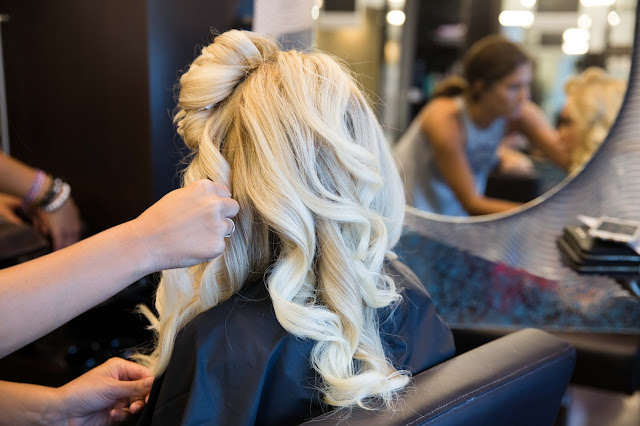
[402,49]
[505,270]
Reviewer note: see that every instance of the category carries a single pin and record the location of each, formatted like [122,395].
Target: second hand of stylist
[186,227]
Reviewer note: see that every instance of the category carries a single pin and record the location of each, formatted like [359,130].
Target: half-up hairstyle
[321,206]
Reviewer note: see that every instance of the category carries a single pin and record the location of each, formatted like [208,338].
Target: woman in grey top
[452,145]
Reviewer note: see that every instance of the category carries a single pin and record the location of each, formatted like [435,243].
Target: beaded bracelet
[52,192]
[34,190]
[61,197]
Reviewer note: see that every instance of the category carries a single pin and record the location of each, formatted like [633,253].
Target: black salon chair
[605,361]
[518,379]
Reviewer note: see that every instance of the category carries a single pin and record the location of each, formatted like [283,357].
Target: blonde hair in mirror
[594,99]
[321,206]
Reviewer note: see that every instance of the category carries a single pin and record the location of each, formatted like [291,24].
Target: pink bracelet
[35,189]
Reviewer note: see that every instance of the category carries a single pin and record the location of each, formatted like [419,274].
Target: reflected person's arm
[185,227]
[440,122]
[534,125]
[514,162]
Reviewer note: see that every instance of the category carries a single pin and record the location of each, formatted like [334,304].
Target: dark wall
[176,35]
[90,91]
[481,19]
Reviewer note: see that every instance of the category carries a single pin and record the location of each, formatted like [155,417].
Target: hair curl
[594,99]
[321,205]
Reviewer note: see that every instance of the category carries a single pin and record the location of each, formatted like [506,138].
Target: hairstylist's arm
[441,124]
[185,227]
[534,125]
[108,393]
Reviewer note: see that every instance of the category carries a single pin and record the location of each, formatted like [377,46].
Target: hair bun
[223,65]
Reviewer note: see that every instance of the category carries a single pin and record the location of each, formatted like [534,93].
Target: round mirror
[495,154]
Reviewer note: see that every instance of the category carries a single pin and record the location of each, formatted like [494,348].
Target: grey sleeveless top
[425,187]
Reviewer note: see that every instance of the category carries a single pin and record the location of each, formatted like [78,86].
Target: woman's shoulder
[442,107]
[441,118]
[236,316]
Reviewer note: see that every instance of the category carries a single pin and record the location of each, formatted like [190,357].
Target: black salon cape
[235,365]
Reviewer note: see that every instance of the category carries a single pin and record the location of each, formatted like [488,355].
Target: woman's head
[497,72]
[593,102]
[321,204]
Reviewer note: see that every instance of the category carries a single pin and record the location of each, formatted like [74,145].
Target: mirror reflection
[488,105]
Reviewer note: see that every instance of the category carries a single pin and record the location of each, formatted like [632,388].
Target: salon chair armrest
[605,361]
[517,379]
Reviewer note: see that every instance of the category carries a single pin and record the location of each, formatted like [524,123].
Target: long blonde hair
[594,99]
[321,204]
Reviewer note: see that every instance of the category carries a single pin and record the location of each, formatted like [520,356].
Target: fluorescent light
[613,18]
[593,3]
[584,21]
[396,17]
[576,41]
[528,3]
[516,18]
[576,34]
[315,12]
[575,48]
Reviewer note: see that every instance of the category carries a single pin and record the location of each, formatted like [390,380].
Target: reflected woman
[448,151]
[593,102]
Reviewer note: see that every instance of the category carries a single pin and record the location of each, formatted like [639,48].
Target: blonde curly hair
[321,206]
[594,99]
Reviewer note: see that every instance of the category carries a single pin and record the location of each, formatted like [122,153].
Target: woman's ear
[477,87]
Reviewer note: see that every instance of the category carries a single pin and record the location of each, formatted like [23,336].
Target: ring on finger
[233,227]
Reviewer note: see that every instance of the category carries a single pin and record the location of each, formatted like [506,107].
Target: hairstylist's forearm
[23,404]
[486,205]
[186,227]
[15,177]
[38,296]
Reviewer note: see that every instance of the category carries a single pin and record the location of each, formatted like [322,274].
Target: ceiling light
[613,18]
[584,21]
[516,18]
[396,17]
[576,41]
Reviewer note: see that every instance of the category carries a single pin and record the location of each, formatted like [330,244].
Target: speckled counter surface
[473,292]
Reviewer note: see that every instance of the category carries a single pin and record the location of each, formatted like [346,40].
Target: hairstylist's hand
[108,393]
[187,226]
[9,205]
[63,225]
